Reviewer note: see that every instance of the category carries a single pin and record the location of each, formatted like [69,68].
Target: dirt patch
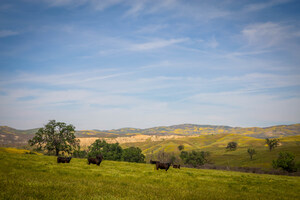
[133,139]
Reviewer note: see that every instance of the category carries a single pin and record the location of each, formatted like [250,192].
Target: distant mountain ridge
[10,135]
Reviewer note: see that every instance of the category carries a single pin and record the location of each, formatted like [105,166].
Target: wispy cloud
[7,33]
[161,43]
[269,34]
[264,5]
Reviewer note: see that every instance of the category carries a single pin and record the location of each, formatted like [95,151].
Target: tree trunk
[56,152]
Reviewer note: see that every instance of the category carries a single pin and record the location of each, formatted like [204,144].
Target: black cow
[176,166]
[64,159]
[165,166]
[153,161]
[96,160]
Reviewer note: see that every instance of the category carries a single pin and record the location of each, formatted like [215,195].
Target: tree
[251,152]
[272,143]
[55,137]
[180,147]
[133,154]
[285,161]
[195,158]
[108,151]
[231,146]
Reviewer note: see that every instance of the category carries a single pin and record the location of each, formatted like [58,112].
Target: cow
[64,159]
[165,166]
[153,161]
[176,166]
[96,160]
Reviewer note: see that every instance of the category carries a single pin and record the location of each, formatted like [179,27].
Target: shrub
[80,154]
[181,147]
[133,154]
[108,151]
[231,146]
[195,158]
[285,161]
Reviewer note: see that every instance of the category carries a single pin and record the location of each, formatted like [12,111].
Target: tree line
[59,138]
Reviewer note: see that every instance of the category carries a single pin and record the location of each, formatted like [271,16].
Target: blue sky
[113,63]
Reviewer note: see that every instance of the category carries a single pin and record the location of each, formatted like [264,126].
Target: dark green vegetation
[113,152]
[55,137]
[13,136]
[108,151]
[285,161]
[194,158]
[231,146]
[272,143]
[28,176]
[216,145]
[133,154]
[251,152]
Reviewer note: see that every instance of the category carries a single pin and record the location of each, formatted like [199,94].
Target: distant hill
[10,135]
[193,129]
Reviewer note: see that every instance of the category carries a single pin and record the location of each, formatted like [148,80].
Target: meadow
[216,145]
[30,176]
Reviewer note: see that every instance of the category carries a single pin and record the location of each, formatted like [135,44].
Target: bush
[180,147]
[231,146]
[195,158]
[80,154]
[108,151]
[285,161]
[133,154]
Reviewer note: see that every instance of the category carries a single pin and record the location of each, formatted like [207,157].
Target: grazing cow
[153,161]
[176,166]
[165,166]
[64,159]
[96,160]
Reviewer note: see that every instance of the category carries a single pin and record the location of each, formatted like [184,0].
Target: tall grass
[27,176]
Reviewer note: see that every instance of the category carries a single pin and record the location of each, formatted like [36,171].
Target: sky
[142,63]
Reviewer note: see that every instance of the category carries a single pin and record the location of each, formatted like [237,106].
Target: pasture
[29,176]
[216,145]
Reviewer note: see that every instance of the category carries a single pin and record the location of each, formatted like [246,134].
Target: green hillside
[27,176]
[13,136]
[193,129]
[216,145]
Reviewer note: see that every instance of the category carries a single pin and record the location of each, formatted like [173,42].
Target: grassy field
[27,176]
[216,145]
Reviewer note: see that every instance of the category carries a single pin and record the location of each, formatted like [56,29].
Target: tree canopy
[133,154]
[285,161]
[272,143]
[181,147]
[55,137]
[194,158]
[231,146]
[251,152]
[108,151]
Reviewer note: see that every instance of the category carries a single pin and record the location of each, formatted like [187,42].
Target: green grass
[216,145]
[27,176]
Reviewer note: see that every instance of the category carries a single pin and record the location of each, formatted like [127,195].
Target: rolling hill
[10,135]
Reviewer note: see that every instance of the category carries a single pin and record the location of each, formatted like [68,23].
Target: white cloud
[6,33]
[267,35]
[161,43]
[213,43]
[264,5]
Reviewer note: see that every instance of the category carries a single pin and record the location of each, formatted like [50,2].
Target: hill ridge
[10,135]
